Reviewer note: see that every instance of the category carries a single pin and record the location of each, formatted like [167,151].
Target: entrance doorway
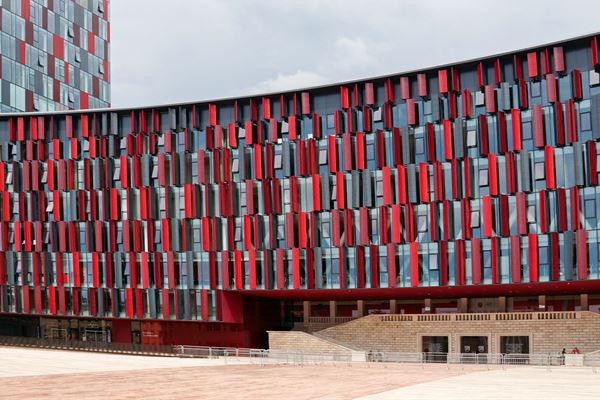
[514,344]
[474,344]
[435,348]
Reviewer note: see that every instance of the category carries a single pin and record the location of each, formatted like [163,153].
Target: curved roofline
[317,87]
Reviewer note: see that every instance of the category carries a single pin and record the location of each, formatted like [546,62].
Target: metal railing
[298,357]
[290,356]
[80,345]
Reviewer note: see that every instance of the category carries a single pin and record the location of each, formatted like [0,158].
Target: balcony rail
[509,316]
[329,320]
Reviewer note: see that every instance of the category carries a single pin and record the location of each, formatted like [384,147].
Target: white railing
[299,357]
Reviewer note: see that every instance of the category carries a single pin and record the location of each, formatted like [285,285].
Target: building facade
[463,187]
[55,55]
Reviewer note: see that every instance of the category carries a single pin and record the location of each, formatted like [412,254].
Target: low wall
[547,331]
[302,341]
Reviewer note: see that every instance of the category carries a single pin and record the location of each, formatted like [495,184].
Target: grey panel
[525,171]
[459,138]
[367,189]
[595,115]
[152,302]
[175,165]
[286,159]
[189,265]
[325,192]
[100,301]
[173,119]
[411,180]
[185,295]
[318,268]
[182,118]
[578,163]
[407,140]
[146,169]
[104,124]
[242,164]
[569,248]
[114,123]
[118,265]
[356,192]
[505,96]
[10,267]
[436,108]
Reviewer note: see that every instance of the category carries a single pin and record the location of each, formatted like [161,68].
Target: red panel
[414,264]
[467,108]
[483,134]
[422,85]
[538,126]
[532,65]
[411,114]
[532,248]
[582,260]
[487,216]
[404,88]
[576,82]
[592,165]
[502,139]
[559,59]
[549,158]
[481,75]
[493,174]
[521,199]
[396,226]
[460,261]
[571,120]
[369,94]
[476,261]
[423,183]
[516,129]
[332,153]
[58,46]
[391,264]
[515,258]
[252,269]
[296,268]
[448,153]
[559,123]
[443,80]
[305,103]
[551,88]
[594,51]
[490,99]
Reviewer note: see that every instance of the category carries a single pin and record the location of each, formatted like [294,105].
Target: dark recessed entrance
[474,344]
[435,347]
[514,344]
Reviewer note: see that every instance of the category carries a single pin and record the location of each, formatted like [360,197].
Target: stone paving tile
[558,383]
[227,382]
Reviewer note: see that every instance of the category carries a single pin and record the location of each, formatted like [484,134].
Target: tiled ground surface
[77,375]
[33,373]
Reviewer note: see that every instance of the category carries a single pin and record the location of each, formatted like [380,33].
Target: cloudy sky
[167,51]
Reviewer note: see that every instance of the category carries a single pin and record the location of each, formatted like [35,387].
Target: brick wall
[296,340]
[548,332]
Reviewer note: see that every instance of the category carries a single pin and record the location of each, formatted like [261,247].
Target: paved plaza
[37,373]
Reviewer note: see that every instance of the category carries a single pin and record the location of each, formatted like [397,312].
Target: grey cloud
[178,50]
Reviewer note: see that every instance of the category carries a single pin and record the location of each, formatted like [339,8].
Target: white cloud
[283,82]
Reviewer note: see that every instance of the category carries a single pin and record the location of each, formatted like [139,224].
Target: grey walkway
[560,383]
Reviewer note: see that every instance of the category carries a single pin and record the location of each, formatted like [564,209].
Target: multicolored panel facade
[467,177]
[54,55]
